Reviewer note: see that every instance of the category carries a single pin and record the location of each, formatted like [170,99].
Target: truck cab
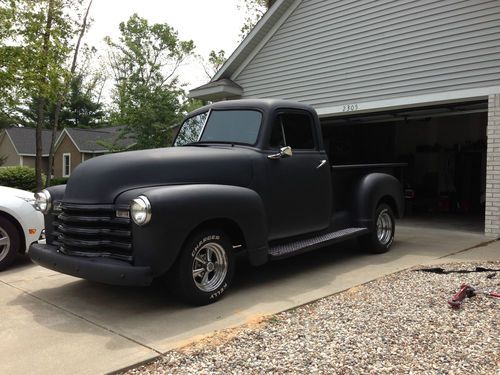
[244,177]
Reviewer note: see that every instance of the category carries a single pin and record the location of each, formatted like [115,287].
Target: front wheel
[9,243]
[205,268]
[381,236]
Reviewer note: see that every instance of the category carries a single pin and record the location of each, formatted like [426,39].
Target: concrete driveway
[52,323]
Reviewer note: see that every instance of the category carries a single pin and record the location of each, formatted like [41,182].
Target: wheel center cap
[210,267]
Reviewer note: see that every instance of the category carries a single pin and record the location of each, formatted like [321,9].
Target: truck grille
[93,231]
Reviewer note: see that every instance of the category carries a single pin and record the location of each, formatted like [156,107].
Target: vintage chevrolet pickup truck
[244,177]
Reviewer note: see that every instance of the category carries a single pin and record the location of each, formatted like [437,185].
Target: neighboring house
[76,145]
[73,146]
[415,81]
[18,145]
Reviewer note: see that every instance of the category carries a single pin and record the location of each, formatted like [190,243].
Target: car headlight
[140,210]
[43,201]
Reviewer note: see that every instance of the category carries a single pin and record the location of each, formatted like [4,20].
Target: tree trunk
[41,98]
[61,97]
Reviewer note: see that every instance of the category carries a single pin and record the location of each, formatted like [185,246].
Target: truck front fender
[373,189]
[178,210]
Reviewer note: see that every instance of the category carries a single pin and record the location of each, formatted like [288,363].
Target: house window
[66,165]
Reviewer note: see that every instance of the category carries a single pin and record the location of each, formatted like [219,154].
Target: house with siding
[73,146]
[18,147]
[414,81]
[76,145]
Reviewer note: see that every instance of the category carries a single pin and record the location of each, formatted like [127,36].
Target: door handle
[321,163]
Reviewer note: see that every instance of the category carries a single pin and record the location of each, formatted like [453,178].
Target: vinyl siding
[29,161]
[8,151]
[330,53]
[66,147]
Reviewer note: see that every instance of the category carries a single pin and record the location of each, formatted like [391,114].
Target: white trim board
[64,165]
[412,101]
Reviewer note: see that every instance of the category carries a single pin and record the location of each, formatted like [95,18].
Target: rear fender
[373,189]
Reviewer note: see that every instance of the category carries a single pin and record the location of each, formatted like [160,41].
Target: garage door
[443,147]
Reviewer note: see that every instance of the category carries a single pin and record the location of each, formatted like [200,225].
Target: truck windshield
[222,126]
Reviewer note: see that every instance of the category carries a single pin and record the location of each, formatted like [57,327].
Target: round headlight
[43,201]
[140,210]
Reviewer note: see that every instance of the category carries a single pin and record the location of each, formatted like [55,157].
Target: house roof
[221,86]
[92,140]
[24,140]
[221,89]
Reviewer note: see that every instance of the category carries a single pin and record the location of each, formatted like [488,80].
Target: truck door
[299,185]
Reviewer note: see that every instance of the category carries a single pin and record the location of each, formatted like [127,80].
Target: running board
[287,249]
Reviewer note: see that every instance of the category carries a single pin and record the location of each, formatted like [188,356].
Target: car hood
[11,192]
[102,179]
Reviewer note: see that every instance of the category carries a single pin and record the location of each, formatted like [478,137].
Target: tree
[10,55]
[63,91]
[254,11]
[214,62]
[147,95]
[80,108]
[41,32]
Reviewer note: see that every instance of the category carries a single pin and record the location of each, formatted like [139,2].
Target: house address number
[349,107]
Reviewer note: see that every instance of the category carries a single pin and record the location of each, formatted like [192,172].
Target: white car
[20,224]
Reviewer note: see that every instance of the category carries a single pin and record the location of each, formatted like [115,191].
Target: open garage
[438,153]
[415,82]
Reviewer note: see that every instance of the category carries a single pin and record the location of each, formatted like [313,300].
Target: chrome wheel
[210,265]
[384,227]
[4,244]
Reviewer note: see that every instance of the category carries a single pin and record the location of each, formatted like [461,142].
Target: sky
[211,24]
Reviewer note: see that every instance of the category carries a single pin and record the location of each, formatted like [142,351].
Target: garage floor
[462,222]
[53,323]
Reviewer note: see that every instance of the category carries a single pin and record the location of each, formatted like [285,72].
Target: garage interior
[443,151]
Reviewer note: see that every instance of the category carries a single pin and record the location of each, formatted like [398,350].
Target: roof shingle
[88,140]
[24,140]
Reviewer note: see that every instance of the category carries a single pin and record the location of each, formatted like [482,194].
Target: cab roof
[265,105]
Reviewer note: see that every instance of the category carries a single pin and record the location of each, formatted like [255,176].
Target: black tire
[219,270]
[11,243]
[377,242]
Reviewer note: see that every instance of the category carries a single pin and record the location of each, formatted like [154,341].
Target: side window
[294,130]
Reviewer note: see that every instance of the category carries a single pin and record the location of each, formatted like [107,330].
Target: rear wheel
[9,243]
[381,235]
[205,268]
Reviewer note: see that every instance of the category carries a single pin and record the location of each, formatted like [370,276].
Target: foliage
[58,181]
[10,55]
[214,62]
[81,109]
[147,95]
[35,50]
[254,11]
[191,105]
[23,178]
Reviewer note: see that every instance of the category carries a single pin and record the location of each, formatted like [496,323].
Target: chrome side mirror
[285,152]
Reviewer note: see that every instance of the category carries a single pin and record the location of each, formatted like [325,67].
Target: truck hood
[102,179]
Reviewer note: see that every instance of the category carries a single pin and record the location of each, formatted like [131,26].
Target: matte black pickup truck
[246,177]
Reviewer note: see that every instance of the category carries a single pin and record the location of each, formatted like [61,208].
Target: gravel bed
[400,324]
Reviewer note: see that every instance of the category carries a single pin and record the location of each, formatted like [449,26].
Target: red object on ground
[465,291]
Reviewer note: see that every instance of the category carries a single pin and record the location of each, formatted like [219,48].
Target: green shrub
[23,178]
[59,181]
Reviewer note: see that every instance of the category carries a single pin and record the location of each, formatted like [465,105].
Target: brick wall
[492,214]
